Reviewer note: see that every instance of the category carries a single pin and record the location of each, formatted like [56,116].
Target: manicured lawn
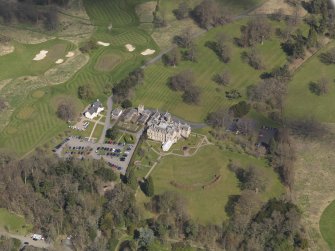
[13,223]
[98,131]
[20,62]
[207,205]
[301,102]
[327,225]
[155,92]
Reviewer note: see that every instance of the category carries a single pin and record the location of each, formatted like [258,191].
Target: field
[205,181]
[321,108]
[155,93]
[13,223]
[327,225]
[314,187]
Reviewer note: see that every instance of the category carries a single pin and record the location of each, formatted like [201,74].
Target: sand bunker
[6,49]
[103,44]
[130,47]
[70,54]
[148,52]
[41,55]
[59,61]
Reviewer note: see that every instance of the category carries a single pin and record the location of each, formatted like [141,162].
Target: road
[108,119]
[37,244]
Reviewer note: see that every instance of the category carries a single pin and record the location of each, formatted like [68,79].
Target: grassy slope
[208,205]
[301,102]
[327,225]
[13,223]
[155,92]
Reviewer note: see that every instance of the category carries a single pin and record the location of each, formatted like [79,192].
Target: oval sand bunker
[103,43]
[130,47]
[59,61]
[148,52]
[41,55]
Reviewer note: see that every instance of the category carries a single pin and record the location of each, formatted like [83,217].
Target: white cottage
[94,110]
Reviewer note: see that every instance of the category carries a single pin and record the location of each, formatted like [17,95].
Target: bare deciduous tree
[66,111]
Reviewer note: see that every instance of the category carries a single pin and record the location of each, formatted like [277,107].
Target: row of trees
[207,14]
[123,90]
[32,12]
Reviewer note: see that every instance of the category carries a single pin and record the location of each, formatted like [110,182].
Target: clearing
[13,223]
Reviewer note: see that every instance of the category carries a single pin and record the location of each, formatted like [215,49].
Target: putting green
[107,62]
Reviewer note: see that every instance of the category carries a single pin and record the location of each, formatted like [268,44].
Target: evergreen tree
[312,39]
[131,178]
[149,187]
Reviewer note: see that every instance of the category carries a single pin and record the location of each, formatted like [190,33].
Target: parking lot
[117,156]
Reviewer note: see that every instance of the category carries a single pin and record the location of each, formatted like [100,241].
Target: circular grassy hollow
[107,62]
[327,225]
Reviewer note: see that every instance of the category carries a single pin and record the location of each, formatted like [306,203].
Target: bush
[240,109]
[148,187]
[222,79]
[126,104]
[233,94]
[112,133]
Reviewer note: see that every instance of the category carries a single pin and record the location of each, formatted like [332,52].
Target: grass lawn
[98,131]
[20,62]
[208,205]
[301,102]
[327,225]
[155,93]
[13,223]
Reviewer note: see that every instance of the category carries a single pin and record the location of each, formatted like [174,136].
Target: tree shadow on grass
[232,200]
[314,88]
